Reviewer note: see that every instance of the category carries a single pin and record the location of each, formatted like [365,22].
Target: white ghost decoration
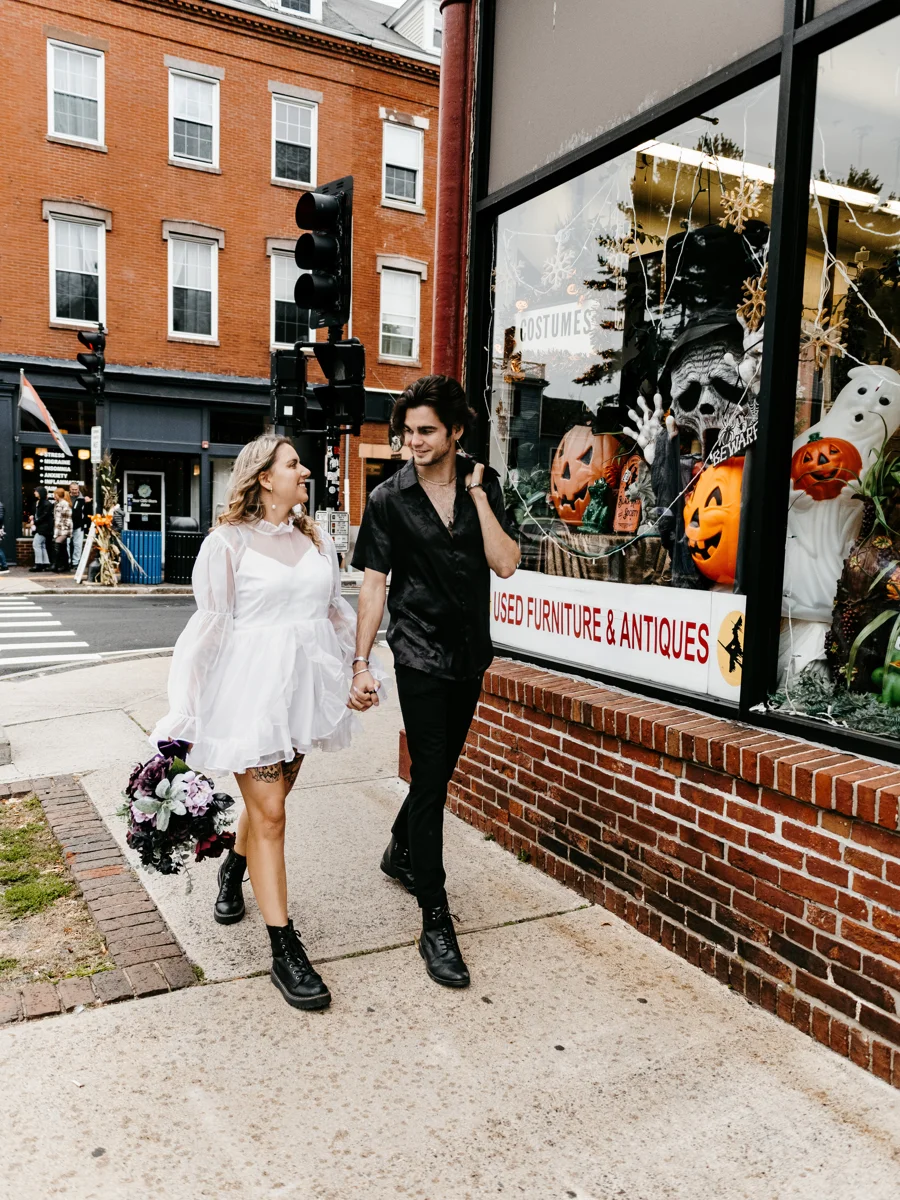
[820,532]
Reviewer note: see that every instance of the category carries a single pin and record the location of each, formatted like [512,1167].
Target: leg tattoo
[290,771]
[269,774]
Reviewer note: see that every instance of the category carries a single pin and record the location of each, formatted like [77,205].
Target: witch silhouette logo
[730,647]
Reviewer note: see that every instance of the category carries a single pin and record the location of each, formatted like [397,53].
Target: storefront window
[840,638]
[629,309]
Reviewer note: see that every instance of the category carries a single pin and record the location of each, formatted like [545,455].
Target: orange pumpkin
[581,458]
[823,467]
[712,518]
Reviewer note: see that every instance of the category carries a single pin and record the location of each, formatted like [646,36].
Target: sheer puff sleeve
[200,645]
[343,621]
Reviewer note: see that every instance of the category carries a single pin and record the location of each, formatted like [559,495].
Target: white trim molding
[77,212]
[194,230]
[402,118]
[280,246]
[396,262]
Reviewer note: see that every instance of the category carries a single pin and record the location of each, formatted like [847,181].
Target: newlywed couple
[274,659]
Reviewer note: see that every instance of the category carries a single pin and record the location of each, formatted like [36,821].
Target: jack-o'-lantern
[712,517]
[582,457]
[823,467]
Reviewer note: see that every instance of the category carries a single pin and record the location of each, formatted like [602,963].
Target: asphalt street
[45,630]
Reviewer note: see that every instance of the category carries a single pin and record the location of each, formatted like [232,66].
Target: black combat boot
[229,908]
[396,862]
[440,949]
[292,972]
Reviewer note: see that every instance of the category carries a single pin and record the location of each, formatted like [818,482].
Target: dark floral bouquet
[172,811]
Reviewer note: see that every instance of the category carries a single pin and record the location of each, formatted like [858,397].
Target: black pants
[60,557]
[437,714]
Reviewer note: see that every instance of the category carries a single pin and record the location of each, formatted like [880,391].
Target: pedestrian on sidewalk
[4,567]
[42,524]
[437,526]
[62,530]
[80,521]
[260,675]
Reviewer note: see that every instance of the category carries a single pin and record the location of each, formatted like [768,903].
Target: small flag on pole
[30,402]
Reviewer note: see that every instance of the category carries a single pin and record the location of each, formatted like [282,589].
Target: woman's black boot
[229,907]
[292,972]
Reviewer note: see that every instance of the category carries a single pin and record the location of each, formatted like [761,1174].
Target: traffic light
[325,252]
[94,362]
[343,398]
[288,388]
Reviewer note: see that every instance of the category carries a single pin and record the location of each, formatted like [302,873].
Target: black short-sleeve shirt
[440,593]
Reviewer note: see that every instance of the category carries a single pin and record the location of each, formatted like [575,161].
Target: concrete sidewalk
[585,1061]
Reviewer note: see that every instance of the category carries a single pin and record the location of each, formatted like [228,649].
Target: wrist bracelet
[359,658]
[471,486]
[365,671]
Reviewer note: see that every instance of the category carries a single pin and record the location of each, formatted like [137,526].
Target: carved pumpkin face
[823,468]
[582,457]
[712,516]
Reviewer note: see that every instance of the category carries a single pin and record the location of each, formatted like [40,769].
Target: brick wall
[136,183]
[770,863]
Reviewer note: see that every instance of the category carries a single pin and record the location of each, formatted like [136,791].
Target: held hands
[363,692]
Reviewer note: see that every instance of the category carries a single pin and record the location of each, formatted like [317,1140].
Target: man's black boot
[229,908]
[396,862]
[292,972]
[440,949]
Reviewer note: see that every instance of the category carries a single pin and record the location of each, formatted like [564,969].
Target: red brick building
[155,155]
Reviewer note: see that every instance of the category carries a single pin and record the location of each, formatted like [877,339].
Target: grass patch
[34,895]
[16,872]
[86,971]
[8,964]
[523,855]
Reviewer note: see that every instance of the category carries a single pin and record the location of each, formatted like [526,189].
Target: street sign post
[96,439]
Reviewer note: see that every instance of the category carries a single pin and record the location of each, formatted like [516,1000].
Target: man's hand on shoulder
[475,481]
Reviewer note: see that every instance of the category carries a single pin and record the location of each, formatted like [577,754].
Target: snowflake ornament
[740,205]
[821,342]
[753,311]
[558,268]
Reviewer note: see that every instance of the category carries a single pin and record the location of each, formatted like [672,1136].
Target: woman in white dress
[260,675]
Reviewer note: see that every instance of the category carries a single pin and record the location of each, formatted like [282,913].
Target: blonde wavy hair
[243,499]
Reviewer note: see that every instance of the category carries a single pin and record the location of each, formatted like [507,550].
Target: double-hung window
[399,314]
[193,119]
[403,148]
[77,283]
[294,127]
[193,288]
[289,323]
[75,93]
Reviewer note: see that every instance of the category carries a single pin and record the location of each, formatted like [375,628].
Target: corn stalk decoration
[110,546]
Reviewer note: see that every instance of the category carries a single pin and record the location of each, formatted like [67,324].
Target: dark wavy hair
[440,392]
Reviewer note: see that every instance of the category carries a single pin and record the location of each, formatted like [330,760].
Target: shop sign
[689,640]
[564,327]
[54,469]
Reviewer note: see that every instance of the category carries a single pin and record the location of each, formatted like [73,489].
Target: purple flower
[137,815]
[198,794]
[151,775]
[170,750]
[213,846]
[133,778]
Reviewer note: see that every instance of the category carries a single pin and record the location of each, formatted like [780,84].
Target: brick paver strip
[73,992]
[40,1000]
[110,986]
[146,980]
[137,936]
[10,1007]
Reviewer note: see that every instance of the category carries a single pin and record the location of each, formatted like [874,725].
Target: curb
[146,956]
[97,660]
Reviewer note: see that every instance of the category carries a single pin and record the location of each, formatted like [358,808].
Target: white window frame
[313,144]
[180,160]
[180,335]
[272,343]
[314,14]
[52,44]
[399,358]
[393,201]
[72,322]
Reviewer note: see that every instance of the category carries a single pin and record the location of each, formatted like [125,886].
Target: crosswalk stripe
[44,633]
[28,624]
[42,645]
[48,658]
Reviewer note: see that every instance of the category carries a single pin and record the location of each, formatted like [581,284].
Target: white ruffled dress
[262,670]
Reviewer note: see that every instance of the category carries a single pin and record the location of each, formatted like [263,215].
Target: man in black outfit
[437,526]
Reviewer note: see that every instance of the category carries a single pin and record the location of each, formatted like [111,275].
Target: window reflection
[840,645]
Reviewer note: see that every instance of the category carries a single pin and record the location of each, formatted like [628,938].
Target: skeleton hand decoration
[648,425]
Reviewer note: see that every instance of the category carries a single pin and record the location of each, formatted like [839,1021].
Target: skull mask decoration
[704,382]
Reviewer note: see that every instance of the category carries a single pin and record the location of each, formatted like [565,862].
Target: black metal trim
[722,85]
[843,23]
[832,737]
